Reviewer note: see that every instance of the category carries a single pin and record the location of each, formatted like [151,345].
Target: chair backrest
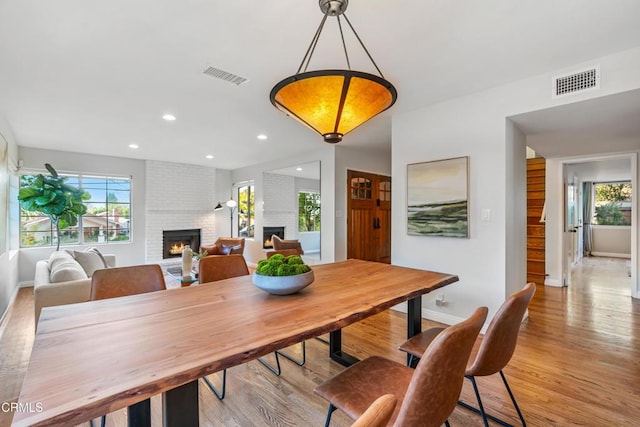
[379,413]
[218,267]
[124,281]
[499,342]
[225,246]
[434,389]
[283,252]
[279,244]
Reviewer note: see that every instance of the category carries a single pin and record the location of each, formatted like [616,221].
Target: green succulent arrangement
[279,265]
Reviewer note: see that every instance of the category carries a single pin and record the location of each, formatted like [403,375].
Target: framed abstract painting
[438,198]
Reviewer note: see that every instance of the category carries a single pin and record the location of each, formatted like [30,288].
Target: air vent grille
[576,82]
[224,75]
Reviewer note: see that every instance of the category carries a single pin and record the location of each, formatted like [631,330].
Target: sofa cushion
[90,260]
[64,269]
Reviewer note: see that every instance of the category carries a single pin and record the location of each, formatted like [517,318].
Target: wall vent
[577,81]
[224,75]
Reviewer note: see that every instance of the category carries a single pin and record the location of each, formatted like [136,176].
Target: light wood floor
[577,363]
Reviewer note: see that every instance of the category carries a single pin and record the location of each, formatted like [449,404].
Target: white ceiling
[607,124]
[93,77]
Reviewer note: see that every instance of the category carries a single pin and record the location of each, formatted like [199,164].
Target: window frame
[316,224]
[250,215]
[79,229]
[595,202]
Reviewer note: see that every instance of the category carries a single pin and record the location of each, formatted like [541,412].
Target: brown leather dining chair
[427,395]
[212,269]
[492,352]
[124,281]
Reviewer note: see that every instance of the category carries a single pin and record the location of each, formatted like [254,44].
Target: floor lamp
[231,204]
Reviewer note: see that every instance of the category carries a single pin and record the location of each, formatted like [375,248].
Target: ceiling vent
[577,81]
[224,75]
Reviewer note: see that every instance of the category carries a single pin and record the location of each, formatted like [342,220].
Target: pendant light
[333,102]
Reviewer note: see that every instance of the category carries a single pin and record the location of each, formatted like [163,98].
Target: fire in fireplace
[173,241]
[267,232]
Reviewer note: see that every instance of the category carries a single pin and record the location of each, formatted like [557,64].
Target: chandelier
[333,102]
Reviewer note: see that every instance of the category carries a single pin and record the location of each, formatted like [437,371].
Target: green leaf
[51,170]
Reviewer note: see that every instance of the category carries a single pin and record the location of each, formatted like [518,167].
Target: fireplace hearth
[173,241]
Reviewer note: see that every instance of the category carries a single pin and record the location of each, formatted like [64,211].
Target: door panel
[369,217]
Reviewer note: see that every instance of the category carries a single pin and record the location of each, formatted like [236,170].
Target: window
[612,203]
[246,210]
[308,211]
[108,217]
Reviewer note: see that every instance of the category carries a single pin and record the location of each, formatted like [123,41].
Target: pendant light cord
[362,44]
[312,45]
[314,42]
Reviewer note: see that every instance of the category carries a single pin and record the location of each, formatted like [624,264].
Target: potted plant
[282,275]
[52,197]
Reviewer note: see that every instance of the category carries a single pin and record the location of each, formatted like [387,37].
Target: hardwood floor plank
[577,363]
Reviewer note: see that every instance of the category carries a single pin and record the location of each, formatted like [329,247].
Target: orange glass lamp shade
[333,102]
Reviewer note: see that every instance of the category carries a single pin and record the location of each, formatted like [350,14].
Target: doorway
[368,216]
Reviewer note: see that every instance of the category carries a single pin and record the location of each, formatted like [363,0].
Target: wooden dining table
[93,358]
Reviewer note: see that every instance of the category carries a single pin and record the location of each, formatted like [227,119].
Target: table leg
[414,318]
[180,406]
[335,350]
[139,415]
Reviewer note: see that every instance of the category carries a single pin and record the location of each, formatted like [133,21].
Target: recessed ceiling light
[134,146]
[298,169]
[262,136]
[209,156]
[169,117]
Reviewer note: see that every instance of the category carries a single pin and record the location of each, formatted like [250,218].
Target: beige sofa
[65,278]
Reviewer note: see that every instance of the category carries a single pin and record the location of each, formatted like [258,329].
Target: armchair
[225,246]
[281,244]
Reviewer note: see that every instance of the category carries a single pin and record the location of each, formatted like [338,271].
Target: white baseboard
[611,255]
[436,316]
[553,282]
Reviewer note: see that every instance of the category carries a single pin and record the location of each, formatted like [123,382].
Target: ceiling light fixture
[209,156]
[134,146]
[262,136]
[333,102]
[169,117]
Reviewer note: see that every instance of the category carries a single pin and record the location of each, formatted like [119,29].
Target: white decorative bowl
[283,285]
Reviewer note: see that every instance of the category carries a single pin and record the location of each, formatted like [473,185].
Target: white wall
[9,258]
[358,160]
[474,126]
[611,241]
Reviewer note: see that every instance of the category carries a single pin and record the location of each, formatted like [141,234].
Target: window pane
[308,211]
[107,218]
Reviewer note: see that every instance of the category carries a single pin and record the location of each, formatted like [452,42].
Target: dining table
[96,357]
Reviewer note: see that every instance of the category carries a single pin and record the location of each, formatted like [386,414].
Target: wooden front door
[368,216]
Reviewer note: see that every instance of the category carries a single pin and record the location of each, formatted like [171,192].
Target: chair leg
[329,412]
[219,394]
[297,362]
[446,423]
[277,371]
[485,416]
[513,399]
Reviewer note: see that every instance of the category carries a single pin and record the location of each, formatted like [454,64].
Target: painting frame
[438,198]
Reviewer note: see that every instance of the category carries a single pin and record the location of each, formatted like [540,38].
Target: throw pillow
[59,257]
[64,271]
[90,260]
